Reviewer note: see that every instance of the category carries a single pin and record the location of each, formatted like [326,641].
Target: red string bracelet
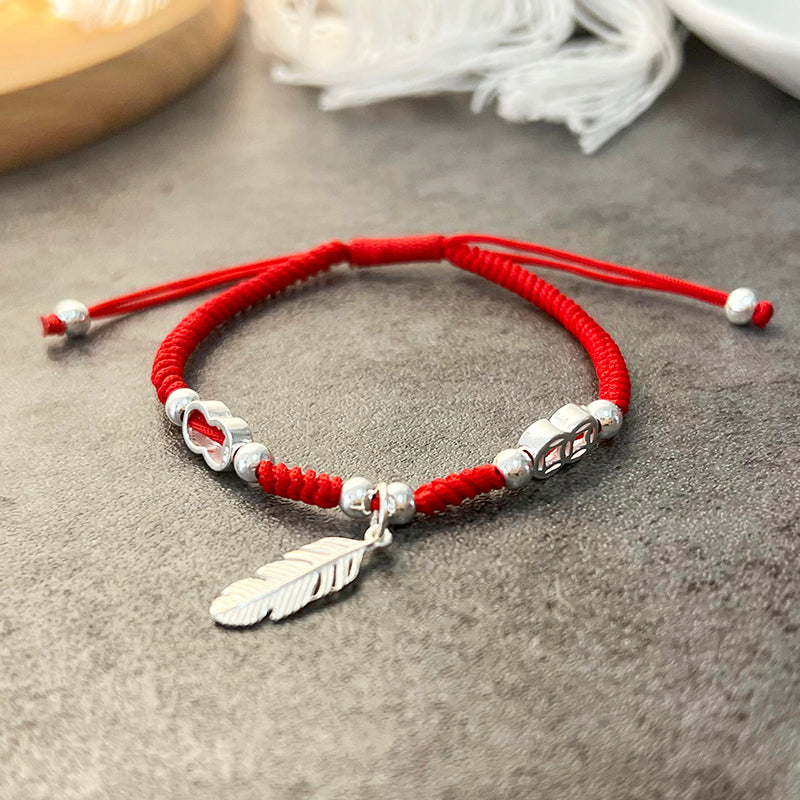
[225,441]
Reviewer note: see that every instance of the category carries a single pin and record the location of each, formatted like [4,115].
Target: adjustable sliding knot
[403,250]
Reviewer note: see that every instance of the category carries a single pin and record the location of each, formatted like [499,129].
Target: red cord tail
[607,272]
[165,293]
[366,252]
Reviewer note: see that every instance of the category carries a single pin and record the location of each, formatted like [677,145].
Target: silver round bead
[356,497]
[740,305]
[177,402]
[247,458]
[516,466]
[401,503]
[608,415]
[75,317]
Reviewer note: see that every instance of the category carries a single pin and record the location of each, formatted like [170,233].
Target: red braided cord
[271,276]
[317,490]
[612,374]
[174,352]
[275,275]
[458,487]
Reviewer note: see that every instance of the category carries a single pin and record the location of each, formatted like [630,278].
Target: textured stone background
[626,630]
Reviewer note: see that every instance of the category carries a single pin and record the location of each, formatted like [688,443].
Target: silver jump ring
[378,532]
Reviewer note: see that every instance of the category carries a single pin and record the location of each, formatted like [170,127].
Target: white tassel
[92,14]
[521,52]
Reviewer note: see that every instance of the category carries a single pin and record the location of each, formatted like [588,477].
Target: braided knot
[369,252]
[320,490]
[458,487]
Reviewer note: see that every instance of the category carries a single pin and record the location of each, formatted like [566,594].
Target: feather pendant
[283,587]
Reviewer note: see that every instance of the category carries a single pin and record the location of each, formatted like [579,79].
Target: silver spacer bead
[177,402]
[74,315]
[356,497]
[401,503]
[516,466]
[740,305]
[608,415]
[247,458]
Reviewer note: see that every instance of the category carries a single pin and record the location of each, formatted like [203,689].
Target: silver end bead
[740,305]
[75,317]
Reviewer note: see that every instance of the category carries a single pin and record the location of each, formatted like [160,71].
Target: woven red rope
[273,276]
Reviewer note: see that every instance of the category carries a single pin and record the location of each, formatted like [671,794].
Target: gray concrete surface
[627,630]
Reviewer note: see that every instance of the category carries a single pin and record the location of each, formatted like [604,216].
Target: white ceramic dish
[764,35]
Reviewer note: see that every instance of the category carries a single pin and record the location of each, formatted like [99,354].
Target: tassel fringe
[594,65]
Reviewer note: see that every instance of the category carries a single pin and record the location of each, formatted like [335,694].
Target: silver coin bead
[75,317]
[740,305]
[401,503]
[356,497]
[247,458]
[608,415]
[516,466]
[177,402]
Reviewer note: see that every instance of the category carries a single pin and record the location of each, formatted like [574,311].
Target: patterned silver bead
[582,428]
[516,466]
[740,305]
[548,446]
[401,503]
[75,317]
[356,497]
[608,415]
[247,458]
[235,433]
[177,402]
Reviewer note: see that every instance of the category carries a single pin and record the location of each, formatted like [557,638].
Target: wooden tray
[62,86]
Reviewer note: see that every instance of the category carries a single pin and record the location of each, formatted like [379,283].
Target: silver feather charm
[315,570]
[283,587]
